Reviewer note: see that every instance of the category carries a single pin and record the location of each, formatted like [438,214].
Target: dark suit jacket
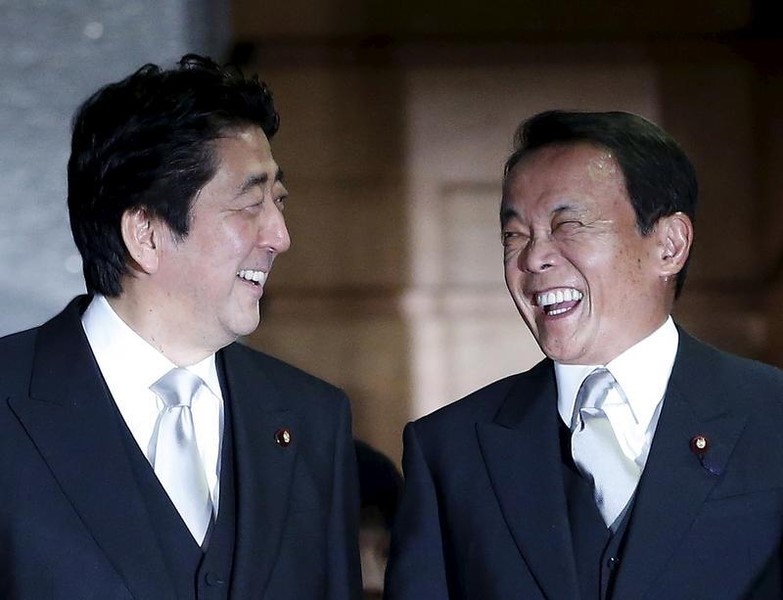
[73,524]
[484,511]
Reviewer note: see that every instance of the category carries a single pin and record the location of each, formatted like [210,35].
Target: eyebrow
[259,180]
[506,214]
[568,208]
[562,208]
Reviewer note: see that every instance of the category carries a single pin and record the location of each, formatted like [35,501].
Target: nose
[274,234]
[538,255]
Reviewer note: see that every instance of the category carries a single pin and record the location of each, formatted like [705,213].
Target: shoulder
[59,326]
[13,344]
[485,403]
[267,392]
[293,381]
[700,361]
[16,355]
[712,378]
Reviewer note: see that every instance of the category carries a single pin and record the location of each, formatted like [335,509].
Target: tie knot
[592,392]
[177,387]
[596,449]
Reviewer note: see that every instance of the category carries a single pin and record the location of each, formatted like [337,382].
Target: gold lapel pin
[699,445]
[283,437]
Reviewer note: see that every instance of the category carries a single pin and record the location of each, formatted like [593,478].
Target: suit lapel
[264,470]
[70,419]
[675,481]
[521,451]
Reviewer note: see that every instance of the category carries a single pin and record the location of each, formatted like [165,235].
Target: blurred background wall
[396,120]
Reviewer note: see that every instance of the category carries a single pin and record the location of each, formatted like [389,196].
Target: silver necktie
[596,451]
[177,460]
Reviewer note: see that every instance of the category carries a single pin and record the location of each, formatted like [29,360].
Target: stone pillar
[53,54]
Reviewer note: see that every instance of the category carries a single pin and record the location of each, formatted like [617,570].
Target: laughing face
[212,280]
[583,277]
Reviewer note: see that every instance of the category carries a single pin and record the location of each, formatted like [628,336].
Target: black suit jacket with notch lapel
[484,512]
[73,523]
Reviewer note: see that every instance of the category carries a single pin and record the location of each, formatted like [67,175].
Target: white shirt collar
[116,347]
[130,365]
[642,371]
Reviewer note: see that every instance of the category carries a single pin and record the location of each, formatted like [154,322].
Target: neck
[158,331]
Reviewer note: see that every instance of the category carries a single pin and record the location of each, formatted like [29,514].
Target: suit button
[612,563]
[214,579]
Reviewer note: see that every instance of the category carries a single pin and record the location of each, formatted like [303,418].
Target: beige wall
[335,297]
[393,155]
[465,329]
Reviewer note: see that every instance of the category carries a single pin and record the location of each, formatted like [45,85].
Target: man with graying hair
[634,461]
[143,453]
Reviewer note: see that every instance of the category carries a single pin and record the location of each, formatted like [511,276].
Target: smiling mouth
[252,276]
[559,301]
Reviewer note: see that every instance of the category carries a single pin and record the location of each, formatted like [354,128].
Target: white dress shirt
[130,366]
[643,373]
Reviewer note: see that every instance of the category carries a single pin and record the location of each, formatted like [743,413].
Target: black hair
[659,177]
[147,142]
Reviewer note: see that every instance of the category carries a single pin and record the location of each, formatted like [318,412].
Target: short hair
[147,142]
[659,177]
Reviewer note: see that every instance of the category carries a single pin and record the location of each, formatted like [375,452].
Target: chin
[237,328]
[247,329]
[562,354]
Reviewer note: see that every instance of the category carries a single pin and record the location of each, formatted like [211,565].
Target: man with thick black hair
[634,461]
[144,453]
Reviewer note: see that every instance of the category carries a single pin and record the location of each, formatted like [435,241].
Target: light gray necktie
[177,460]
[596,451]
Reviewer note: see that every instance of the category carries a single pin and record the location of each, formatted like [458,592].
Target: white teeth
[250,275]
[556,297]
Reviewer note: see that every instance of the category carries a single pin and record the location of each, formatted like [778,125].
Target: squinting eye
[566,225]
[509,238]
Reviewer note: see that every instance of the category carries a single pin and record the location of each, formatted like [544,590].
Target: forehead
[243,166]
[573,174]
[243,160]
[243,148]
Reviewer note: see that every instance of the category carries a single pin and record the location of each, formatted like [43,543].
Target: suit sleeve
[345,580]
[416,567]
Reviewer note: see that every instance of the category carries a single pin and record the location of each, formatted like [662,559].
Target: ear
[675,236]
[140,233]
